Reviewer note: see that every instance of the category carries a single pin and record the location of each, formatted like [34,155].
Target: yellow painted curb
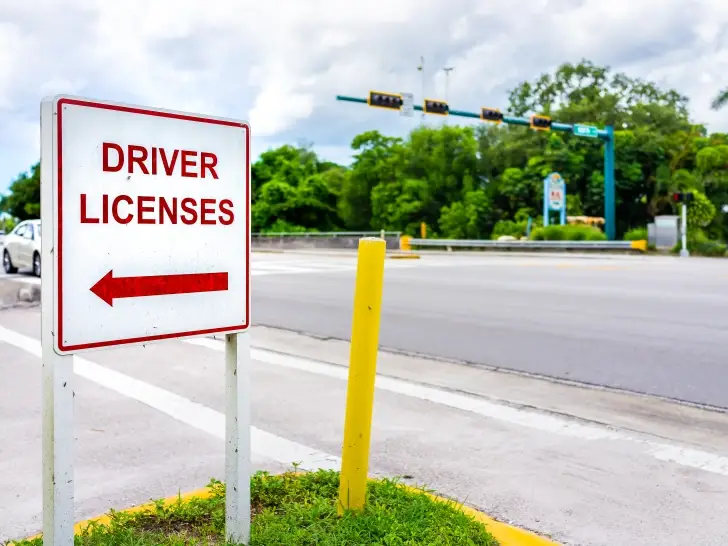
[404,257]
[639,245]
[506,535]
[105,519]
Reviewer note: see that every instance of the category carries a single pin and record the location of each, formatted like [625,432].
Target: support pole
[57,370]
[610,208]
[684,252]
[237,437]
[362,374]
[58,475]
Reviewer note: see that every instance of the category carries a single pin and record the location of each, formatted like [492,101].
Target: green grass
[292,510]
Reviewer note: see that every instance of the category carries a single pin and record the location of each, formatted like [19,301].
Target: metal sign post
[58,379]
[684,252]
[146,219]
[554,197]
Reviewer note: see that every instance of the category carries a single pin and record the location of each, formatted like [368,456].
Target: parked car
[21,248]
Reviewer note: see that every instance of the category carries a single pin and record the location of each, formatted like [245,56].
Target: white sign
[151,225]
[408,105]
[725,208]
[555,189]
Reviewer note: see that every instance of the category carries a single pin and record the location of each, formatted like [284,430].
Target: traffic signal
[491,114]
[391,101]
[540,123]
[438,107]
[680,197]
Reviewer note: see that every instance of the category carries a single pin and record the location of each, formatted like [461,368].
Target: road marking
[186,411]
[287,452]
[683,456]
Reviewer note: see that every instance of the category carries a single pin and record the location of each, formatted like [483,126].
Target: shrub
[509,227]
[699,244]
[636,234]
[575,232]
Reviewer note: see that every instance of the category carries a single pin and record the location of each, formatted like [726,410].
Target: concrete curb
[507,535]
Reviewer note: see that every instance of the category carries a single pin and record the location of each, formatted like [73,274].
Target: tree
[23,202]
[292,189]
[484,180]
[720,100]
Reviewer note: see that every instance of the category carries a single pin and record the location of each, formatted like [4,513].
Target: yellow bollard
[404,242]
[639,245]
[362,372]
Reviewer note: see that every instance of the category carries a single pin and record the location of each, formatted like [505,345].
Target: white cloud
[281,63]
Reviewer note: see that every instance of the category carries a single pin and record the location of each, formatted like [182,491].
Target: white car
[21,248]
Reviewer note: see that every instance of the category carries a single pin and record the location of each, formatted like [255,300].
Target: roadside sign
[555,191]
[146,220]
[408,105]
[586,131]
[151,225]
[725,208]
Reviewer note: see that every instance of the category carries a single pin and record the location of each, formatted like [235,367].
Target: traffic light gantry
[540,123]
[395,101]
[390,101]
[437,107]
[536,122]
[491,114]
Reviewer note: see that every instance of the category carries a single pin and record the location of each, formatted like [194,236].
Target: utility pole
[421,68]
[447,70]
[683,198]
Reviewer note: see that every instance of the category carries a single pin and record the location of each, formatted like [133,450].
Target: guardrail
[475,244]
[333,240]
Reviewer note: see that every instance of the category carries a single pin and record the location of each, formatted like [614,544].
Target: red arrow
[110,288]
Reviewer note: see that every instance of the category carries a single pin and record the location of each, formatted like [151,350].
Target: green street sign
[586,131]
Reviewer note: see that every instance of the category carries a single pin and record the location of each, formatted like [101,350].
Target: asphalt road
[586,467]
[649,325]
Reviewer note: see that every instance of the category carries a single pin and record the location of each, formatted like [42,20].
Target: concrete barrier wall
[316,241]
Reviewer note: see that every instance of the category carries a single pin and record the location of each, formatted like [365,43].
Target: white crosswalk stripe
[283,266]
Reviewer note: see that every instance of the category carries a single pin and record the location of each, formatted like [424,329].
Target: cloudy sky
[280,63]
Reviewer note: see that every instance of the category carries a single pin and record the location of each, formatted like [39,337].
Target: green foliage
[701,245]
[569,232]
[700,211]
[479,181]
[294,510]
[464,219]
[720,100]
[23,202]
[636,234]
[509,228]
[8,224]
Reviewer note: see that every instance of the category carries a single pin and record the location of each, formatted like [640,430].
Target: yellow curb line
[506,535]
[105,519]
[404,257]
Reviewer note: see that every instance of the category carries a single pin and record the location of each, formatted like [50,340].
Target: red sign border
[59,226]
